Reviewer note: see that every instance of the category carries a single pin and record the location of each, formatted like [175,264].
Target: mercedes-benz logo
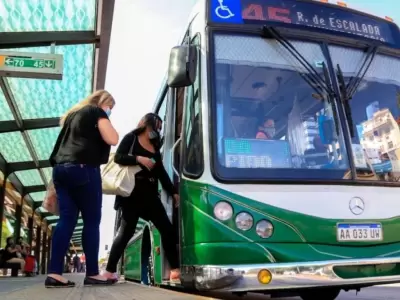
[357,206]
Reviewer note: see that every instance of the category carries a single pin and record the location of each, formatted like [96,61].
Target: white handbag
[116,179]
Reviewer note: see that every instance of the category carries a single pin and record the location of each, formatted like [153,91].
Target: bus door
[170,153]
[182,147]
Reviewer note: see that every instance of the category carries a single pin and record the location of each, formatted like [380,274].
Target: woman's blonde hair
[98,98]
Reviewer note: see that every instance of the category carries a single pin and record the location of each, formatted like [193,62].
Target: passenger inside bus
[267,130]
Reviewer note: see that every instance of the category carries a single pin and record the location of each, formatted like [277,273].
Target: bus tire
[319,294]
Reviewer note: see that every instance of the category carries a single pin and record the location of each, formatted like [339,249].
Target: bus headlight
[264,229]
[223,211]
[244,221]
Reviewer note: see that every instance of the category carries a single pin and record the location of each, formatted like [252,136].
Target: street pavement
[387,292]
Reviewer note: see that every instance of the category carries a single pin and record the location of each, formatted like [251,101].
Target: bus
[302,209]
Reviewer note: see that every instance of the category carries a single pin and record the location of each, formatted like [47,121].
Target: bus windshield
[274,122]
[375,111]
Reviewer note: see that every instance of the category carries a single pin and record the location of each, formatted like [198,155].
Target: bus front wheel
[319,294]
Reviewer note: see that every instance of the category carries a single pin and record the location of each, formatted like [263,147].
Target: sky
[143,34]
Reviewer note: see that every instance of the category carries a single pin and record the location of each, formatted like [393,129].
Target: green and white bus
[281,131]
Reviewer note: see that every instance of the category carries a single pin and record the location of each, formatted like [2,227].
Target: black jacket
[123,158]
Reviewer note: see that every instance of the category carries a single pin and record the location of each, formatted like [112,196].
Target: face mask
[155,139]
[270,131]
[108,111]
[153,135]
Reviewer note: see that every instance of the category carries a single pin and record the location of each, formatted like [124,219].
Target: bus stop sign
[31,65]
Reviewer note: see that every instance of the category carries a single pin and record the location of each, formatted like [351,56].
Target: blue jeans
[78,189]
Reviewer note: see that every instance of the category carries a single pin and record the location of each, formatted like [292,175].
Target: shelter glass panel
[29,177]
[13,147]
[38,197]
[43,98]
[41,210]
[5,112]
[47,15]
[52,221]
[43,141]
[48,173]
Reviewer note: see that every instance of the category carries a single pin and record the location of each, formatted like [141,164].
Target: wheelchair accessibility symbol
[223,11]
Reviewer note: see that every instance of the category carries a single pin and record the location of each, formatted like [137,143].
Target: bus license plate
[359,232]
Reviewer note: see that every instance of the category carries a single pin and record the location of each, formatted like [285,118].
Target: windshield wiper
[313,78]
[345,100]
[355,82]
[347,92]
[333,103]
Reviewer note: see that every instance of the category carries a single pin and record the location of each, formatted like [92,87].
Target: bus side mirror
[182,66]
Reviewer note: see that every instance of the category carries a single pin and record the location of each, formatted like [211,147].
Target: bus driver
[266,131]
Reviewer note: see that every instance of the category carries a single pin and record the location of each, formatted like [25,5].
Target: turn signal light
[264,276]
[340,3]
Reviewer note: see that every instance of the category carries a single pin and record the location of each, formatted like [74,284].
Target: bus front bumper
[286,275]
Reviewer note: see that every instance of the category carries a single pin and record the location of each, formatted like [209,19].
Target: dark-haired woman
[12,253]
[144,202]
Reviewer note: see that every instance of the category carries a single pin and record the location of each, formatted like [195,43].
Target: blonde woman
[82,146]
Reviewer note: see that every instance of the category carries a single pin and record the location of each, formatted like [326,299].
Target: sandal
[175,275]
[92,281]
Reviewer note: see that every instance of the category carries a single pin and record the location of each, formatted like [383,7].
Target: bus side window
[179,103]
[162,111]
[193,163]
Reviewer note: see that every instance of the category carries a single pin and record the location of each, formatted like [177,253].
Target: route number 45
[39,64]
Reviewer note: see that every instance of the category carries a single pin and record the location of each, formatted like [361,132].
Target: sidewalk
[10,284]
[33,289]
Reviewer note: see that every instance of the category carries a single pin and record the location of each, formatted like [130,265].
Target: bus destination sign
[304,13]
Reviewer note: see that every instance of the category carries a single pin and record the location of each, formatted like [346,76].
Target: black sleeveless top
[80,140]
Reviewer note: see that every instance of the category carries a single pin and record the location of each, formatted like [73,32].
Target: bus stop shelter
[31,105]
